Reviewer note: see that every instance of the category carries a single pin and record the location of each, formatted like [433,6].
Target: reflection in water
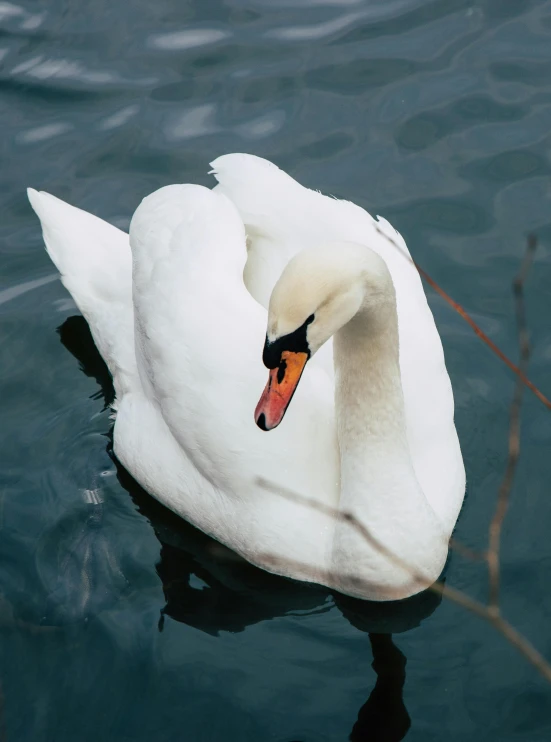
[212,589]
[78,566]
[384,715]
[75,335]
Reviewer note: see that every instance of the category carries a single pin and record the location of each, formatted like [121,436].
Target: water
[119,623]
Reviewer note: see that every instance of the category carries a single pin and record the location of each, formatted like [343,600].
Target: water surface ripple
[120,623]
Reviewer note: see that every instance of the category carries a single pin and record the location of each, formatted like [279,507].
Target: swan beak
[279,390]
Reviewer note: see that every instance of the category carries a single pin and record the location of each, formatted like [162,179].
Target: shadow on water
[209,587]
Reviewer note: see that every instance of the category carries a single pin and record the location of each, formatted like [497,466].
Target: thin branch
[456,596]
[469,320]
[466,551]
[496,525]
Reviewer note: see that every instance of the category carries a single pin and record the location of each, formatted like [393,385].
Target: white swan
[180,319]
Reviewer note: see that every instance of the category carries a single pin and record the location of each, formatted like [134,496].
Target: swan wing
[199,339]
[183,338]
[95,263]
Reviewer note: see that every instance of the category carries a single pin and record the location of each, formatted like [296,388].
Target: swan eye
[310,319]
[281,371]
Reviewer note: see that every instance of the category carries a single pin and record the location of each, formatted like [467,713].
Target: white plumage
[179,316]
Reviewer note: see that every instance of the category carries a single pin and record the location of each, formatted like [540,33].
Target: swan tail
[95,263]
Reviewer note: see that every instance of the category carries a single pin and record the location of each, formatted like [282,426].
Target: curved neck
[378,482]
[368,397]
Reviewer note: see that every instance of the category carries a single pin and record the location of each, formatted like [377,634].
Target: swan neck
[378,481]
[368,390]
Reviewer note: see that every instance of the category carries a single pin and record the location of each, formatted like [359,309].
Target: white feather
[194,294]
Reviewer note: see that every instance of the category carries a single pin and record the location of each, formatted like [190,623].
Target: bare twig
[496,525]
[469,320]
[456,596]
[466,551]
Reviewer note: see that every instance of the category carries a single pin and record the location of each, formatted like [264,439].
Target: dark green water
[117,622]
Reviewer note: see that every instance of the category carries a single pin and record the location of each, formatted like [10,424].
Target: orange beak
[279,390]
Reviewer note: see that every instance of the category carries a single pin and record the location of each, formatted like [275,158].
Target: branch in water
[451,593]
[470,321]
[456,595]
[496,525]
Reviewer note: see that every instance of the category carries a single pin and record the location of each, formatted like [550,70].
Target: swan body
[179,310]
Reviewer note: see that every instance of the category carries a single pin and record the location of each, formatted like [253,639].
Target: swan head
[320,291]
